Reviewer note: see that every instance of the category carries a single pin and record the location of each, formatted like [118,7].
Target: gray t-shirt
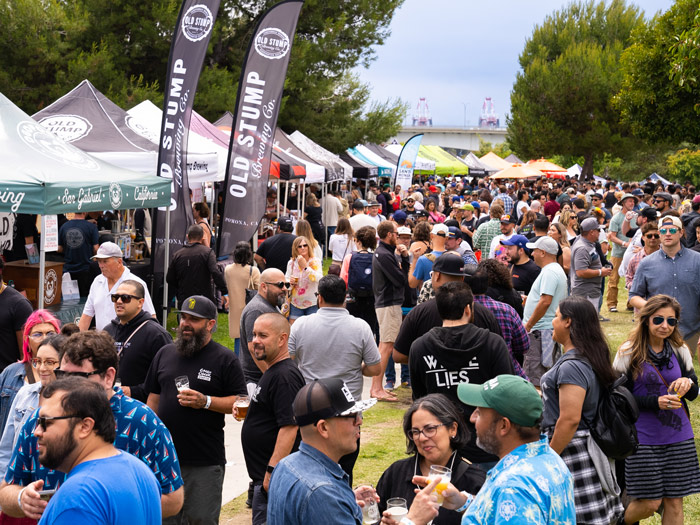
[569,372]
[254,309]
[584,257]
[333,343]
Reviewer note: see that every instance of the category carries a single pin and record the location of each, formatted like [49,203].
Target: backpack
[360,274]
[613,426]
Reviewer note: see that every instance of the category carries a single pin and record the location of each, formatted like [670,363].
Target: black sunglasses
[125,297]
[659,320]
[652,236]
[45,421]
[64,373]
[280,284]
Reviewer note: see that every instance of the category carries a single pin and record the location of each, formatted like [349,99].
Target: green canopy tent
[44,175]
[445,163]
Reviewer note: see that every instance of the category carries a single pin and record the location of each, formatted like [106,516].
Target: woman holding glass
[435,431]
[303,271]
[660,375]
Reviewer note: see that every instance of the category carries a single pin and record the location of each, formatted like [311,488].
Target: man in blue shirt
[139,432]
[673,270]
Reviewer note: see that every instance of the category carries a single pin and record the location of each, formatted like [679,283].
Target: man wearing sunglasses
[139,431]
[674,271]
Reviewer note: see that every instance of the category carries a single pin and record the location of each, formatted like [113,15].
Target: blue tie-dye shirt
[532,484]
[139,432]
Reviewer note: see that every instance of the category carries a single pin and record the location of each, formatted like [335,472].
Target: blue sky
[456,52]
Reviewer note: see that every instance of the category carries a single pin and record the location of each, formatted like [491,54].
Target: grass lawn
[383,441]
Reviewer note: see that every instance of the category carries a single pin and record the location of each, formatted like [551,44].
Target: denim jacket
[11,380]
[309,488]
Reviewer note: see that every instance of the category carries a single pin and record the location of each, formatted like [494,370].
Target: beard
[188,346]
[55,453]
[263,355]
[275,299]
[488,442]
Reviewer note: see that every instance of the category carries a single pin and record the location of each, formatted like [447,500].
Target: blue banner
[407,162]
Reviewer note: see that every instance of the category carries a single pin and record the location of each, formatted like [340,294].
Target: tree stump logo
[197,22]
[43,141]
[272,43]
[50,286]
[115,195]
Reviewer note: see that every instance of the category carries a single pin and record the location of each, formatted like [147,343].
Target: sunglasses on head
[652,236]
[125,297]
[664,231]
[659,320]
[280,284]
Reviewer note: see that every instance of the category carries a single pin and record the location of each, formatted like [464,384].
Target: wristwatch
[269,469]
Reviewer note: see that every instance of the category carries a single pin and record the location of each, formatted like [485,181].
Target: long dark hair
[587,336]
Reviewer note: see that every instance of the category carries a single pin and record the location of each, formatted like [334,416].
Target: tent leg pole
[286,192]
[42,264]
[165,269]
[325,226]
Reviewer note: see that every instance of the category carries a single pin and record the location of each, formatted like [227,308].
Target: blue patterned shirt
[139,432]
[512,328]
[507,202]
[532,484]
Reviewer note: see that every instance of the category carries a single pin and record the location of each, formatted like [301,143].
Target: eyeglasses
[125,297]
[428,431]
[64,373]
[45,421]
[659,320]
[664,231]
[49,363]
[279,285]
[40,335]
[652,236]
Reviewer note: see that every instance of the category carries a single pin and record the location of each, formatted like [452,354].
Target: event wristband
[470,498]
[406,521]
[208,403]
[19,499]
[600,272]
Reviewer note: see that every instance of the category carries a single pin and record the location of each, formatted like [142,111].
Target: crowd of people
[487,299]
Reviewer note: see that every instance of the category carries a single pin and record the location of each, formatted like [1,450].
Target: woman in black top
[314,214]
[501,284]
[435,431]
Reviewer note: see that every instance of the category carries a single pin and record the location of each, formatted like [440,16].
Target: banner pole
[165,269]
[42,263]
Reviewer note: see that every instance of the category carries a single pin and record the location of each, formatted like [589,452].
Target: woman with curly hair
[660,375]
[501,284]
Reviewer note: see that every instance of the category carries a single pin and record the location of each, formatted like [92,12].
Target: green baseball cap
[511,396]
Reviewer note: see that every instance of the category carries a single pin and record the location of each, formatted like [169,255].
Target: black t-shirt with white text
[215,371]
[270,409]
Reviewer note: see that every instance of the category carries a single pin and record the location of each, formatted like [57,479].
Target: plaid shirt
[511,326]
[484,235]
[507,202]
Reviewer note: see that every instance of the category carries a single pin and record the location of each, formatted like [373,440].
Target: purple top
[656,426]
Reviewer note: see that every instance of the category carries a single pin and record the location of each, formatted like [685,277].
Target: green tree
[655,100]
[502,149]
[561,100]
[684,165]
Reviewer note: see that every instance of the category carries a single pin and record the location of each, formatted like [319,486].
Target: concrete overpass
[453,137]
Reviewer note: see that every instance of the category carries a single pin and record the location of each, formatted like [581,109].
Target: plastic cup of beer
[445,473]
[241,404]
[397,507]
[182,383]
[370,510]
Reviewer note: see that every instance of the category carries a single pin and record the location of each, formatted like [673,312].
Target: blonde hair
[295,247]
[304,230]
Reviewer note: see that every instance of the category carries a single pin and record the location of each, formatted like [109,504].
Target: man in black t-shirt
[276,251]
[523,270]
[24,232]
[194,411]
[77,241]
[269,432]
[14,310]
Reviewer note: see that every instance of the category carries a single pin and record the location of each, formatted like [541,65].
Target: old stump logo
[50,286]
[272,43]
[135,126]
[67,127]
[43,141]
[115,195]
[197,22]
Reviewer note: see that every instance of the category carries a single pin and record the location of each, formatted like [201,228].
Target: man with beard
[269,431]
[137,337]
[138,431]
[522,269]
[75,432]
[194,413]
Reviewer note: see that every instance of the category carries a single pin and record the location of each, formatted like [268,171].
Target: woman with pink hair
[39,325]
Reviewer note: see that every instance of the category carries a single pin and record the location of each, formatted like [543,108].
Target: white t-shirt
[359,221]
[338,244]
[99,302]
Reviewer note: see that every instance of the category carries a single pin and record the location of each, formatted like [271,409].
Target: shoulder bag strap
[121,349]
[668,386]
[250,277]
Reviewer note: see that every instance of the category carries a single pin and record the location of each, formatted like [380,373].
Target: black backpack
[360,274]
[613,426]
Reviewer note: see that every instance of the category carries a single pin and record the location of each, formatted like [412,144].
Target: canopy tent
[384,153]
[336,168]
[386,168]
[445,163]
[513,159]
[550,170]
[146,120]
[382,171]
[574,171]
[42,174]
[654,177]
[315,173]
[476,167]
[496,162]
[422,164]
[360,168]
[517,171]
[90,121]
[225,122]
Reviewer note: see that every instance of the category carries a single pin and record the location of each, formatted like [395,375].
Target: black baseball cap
[650,213]
[449,263]
[285,223]
[324,399]
[508,219]
[198,306]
